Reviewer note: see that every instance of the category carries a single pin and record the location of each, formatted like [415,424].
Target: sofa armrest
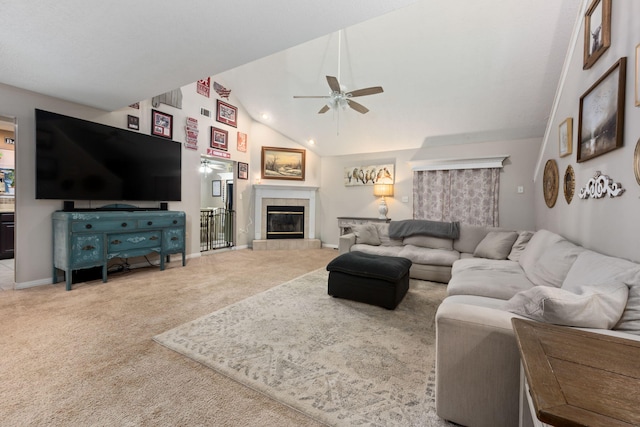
[345,243]
[477,366]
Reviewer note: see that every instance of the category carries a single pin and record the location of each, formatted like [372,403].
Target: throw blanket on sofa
[410,227]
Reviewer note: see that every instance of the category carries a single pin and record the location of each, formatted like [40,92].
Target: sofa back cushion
[383,235]
[366,234]
[470,236]
[519,245]
[601,271]
[496,245]
[429,242]
[547,258]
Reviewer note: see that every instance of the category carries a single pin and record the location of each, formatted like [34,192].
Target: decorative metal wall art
[600,186]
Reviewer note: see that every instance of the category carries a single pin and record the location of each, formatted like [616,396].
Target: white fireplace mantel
[263,191]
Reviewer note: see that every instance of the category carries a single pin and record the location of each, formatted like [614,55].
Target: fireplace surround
[284,195]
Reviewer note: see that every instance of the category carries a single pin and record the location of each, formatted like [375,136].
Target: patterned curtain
[466,195]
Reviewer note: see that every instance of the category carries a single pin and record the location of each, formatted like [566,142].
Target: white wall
[336,199]
[608,225]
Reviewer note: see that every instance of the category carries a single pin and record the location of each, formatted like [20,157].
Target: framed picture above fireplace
[283,163]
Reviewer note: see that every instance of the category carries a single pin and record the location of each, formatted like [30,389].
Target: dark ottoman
[373,279]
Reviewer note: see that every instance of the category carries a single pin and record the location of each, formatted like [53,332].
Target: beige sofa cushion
[547,258]
[366,234]
[496,245]
[587,306]
[383,235]
[487,278]
[429,242]
[600,270]
[377,250]
[470,236]
[519,245]
[430,256]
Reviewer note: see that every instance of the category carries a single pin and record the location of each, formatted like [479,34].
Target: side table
[579,378]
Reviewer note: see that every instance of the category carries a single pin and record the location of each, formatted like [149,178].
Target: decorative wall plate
[550,182]
[569,184]
[636,162]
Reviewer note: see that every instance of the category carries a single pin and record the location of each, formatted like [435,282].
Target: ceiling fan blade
[318,96]
[333,84]
[365,92]
[324,109]
[358,107]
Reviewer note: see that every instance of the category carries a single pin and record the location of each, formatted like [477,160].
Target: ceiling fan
[340,98]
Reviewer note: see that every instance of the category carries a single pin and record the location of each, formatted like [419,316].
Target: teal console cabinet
[85,239]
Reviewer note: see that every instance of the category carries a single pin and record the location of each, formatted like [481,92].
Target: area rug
[343,363]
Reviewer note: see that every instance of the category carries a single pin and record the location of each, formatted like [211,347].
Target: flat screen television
[81,160]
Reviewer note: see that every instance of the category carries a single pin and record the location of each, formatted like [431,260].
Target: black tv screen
[81,160]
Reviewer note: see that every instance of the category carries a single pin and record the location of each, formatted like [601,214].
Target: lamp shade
[383,190]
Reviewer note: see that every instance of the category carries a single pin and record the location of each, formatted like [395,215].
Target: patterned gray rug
[337,361]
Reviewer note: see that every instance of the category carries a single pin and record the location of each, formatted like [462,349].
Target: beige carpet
[341,362]
[87,358]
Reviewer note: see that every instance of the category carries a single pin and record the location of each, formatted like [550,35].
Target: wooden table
[579,378]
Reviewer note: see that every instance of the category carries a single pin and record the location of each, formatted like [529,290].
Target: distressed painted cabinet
[86,239]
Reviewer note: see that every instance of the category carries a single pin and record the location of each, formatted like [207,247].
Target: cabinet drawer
[160,222]
[126,241]
[103,225]
[173,239]
[86,249]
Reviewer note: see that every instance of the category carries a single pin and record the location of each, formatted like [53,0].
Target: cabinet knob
[115,242]
[88,248]
[88,226]
[153,238]
[175,221]
[150,223]
[174,238]
[124,224]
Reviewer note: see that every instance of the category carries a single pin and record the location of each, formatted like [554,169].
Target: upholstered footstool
[372,279]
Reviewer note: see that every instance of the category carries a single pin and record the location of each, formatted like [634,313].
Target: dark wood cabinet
[7,226]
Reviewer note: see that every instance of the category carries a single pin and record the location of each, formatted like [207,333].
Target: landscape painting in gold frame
[283,163]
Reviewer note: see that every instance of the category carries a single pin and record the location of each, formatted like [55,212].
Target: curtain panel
[466,195]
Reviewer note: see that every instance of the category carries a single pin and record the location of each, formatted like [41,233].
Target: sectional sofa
[432,257]
[548,279]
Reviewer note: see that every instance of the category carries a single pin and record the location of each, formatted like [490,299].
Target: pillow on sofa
[383,234]
[496,245]
[588,307]
[519,245]
[429,242]
[547,258]
[366,234]
[599,270]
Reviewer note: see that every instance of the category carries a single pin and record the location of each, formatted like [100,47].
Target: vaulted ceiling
[453,71]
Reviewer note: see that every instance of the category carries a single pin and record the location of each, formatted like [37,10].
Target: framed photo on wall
[133,122]
[161,124]
[565,137]
[227,114]
[216,188]
[597,31]
[219,139]
[601,122]
[243,170]
[283,163]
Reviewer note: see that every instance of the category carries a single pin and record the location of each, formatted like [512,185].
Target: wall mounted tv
[81,160]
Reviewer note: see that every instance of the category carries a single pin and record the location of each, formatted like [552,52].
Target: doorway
[7,201]
[217,211]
